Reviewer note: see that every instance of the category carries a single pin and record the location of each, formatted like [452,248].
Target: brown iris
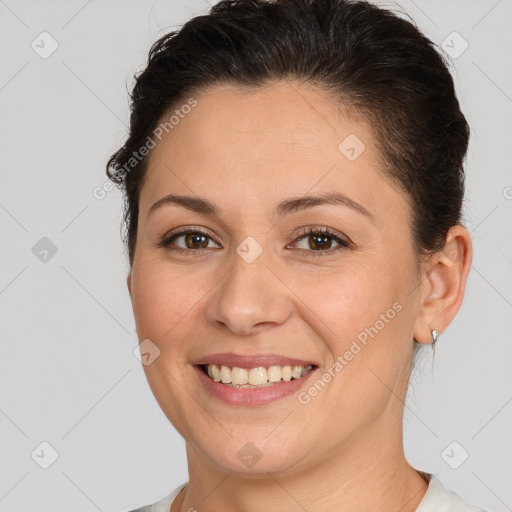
[324,239]
[192,241]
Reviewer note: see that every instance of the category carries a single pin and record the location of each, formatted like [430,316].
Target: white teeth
[296,371]
[286,373]
[215,372]
[238,375]
[225,375]
[274,373]
[255,377]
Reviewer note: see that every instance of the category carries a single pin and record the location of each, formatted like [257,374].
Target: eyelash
[343,244]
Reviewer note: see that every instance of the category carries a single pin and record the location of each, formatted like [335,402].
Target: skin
[246,150]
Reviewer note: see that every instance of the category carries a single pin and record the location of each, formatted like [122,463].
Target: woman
[294,182]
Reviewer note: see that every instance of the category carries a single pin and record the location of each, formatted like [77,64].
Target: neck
[362,474]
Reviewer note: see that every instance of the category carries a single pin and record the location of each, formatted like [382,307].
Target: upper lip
[251,361]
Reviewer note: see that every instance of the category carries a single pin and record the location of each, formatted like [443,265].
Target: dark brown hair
[369,59]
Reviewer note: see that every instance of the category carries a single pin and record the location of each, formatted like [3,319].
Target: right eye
[191,238]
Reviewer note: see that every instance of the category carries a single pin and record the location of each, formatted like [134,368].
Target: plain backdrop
[79,426]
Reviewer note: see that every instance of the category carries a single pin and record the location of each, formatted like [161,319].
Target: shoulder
[439,499]
[162,505]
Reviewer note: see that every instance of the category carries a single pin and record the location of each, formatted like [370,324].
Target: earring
[435,335]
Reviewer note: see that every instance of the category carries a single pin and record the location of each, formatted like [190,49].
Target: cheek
[162,297]
[362,325]
[348,300]
[361,319]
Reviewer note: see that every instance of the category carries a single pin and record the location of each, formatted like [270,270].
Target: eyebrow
[294,204]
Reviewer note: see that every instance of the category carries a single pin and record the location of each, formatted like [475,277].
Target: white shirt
[436,499]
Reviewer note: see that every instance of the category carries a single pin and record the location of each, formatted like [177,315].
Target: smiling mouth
[258,377]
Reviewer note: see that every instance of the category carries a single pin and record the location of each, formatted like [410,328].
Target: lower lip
[250,397]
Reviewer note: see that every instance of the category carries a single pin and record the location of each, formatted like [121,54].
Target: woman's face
[254,283]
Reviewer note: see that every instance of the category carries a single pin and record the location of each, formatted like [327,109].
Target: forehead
[297,114]
[261,144]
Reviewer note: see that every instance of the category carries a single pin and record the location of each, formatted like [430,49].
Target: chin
[257,467]
[255,454]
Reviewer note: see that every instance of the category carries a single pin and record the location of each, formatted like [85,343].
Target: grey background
[68,375]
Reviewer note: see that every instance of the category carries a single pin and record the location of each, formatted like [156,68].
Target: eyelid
[322,229]
[185,230]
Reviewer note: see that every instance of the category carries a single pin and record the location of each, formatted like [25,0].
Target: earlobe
[444,285]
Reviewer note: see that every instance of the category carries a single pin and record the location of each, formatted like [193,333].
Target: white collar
[439,499]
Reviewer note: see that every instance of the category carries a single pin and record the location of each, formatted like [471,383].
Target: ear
[443,284]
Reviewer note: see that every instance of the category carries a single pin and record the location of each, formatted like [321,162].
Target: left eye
[320,240]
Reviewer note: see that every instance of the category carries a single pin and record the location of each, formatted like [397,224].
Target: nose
[249,298]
